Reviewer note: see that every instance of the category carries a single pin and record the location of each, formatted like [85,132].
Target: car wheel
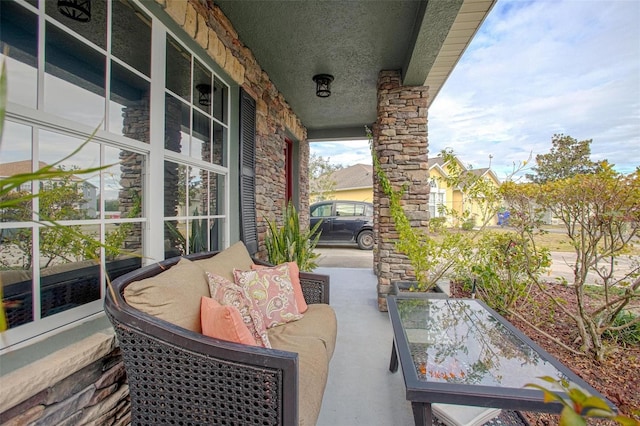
[365,240]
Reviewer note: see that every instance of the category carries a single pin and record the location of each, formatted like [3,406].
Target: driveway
[344,257]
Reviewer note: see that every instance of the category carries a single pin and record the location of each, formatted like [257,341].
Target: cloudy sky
[534,69]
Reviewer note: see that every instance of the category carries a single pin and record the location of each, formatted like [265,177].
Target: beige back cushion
[173,295]
[223,264]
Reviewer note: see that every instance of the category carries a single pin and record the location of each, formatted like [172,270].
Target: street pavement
[352,257]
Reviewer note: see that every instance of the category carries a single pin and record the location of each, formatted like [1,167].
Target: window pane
[74,196]
[216,194]
[15,274]
[129,106]
[123,240]
[198,193]
[178,70]
[175,238]
[176,125]
[216,241]
[200,138]
[69,277]
[219,148]
[131,36]
[345,209]
[95,30]
[123,183]
[198,235]
[220,101]
[18,36]
[15,158]
[74,79]
[175,193]
[323,210]
[202,92]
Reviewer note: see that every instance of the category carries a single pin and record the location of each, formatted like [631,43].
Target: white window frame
[155,154]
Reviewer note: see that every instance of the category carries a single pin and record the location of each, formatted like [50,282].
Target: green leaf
[593,402]
[626,421]
[548,395]
[568,417]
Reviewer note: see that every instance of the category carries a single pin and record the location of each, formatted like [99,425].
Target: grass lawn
[556,240]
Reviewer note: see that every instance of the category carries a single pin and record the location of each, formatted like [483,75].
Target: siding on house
[354,183]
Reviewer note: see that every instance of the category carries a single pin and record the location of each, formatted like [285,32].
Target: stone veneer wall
[85,383]
[210,28]
[400,142]
[82,384]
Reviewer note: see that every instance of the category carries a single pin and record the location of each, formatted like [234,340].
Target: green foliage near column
[288,243]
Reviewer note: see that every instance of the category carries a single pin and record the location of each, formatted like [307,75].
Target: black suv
[344,222]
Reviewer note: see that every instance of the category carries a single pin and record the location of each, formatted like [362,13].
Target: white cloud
[345,153]
[545,67]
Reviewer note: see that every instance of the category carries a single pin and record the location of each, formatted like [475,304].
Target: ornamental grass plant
[290,243]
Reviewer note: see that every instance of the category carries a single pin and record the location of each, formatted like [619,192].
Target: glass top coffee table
[460,351]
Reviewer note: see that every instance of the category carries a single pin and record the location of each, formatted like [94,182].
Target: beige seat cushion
[313,369]
[224,262]
[173,295]
[319,321]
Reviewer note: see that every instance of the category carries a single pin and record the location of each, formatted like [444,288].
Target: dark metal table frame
[423,393]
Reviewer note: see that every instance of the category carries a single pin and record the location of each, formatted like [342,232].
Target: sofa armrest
[315,287]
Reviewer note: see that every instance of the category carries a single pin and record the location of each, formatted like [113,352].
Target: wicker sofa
[176,375]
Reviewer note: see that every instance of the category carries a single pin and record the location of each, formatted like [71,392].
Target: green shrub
[289,244]
[629,335]
[468,224]
[500,266]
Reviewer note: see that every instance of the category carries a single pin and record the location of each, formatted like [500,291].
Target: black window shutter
[248,226]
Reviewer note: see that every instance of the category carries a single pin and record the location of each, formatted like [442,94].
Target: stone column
[400,142]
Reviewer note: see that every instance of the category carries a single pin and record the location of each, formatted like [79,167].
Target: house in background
[356,183]
[200,106]
[443,195]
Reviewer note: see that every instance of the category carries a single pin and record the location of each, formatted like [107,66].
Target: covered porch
[361,390]
[401,51]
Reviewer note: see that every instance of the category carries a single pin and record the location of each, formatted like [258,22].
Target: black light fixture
[323,83]
[78,10]
[204,97]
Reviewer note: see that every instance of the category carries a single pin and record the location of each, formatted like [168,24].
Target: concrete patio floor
[361,390]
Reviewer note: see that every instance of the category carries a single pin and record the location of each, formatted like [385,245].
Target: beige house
[356,183]
[454,198]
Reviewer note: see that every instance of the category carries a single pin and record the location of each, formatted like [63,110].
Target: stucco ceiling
[353,41]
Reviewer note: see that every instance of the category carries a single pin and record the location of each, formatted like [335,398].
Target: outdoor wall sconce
[323,83]
[204,97]
[78,10]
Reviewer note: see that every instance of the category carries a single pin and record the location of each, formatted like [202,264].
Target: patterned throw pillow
[230,294]
[271,292]
[294,274]
[224,322]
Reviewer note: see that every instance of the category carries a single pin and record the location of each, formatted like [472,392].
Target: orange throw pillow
[294,276]
[223,322]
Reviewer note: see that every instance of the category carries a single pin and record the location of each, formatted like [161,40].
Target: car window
[368,210]
[323,210]
[349,209]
